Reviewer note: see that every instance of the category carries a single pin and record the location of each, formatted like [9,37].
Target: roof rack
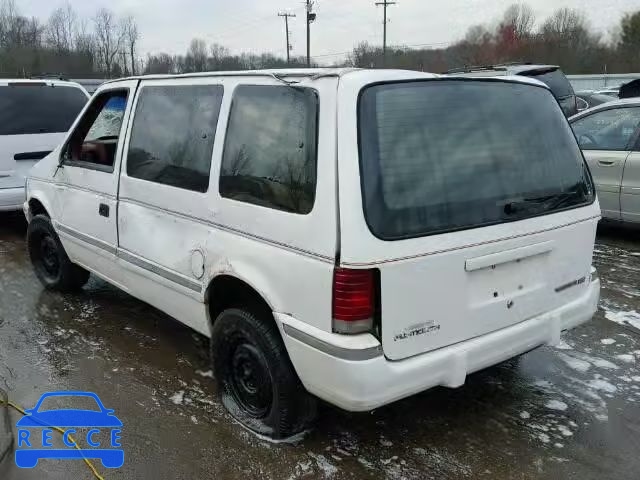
[476,68]
[49,76]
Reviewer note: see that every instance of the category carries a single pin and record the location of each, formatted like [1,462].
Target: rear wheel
[256,381]
[50,261]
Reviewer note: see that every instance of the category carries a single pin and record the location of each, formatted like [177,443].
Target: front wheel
[256,381]
[50,261]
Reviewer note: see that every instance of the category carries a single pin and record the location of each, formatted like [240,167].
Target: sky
[253,25]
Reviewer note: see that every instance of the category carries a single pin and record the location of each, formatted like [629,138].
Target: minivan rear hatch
[470,189]
[33,119]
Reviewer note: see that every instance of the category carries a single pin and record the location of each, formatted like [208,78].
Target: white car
[609,136]
[353,235]
[34,116]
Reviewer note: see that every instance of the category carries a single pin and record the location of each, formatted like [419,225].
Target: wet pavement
[569,412]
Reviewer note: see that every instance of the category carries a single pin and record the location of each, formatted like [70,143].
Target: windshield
[446,155]
[32,108]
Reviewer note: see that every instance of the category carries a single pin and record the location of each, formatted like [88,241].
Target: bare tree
[196,58]
[61,28]
[109,38]
[564,23]
[159,63]
[218,55]
[131,37]
[520,18]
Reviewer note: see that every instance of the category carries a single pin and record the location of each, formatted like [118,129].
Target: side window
[270,151]
[94,142]
[607,130]
[173,133]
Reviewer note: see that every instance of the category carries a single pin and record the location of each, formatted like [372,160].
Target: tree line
[103,46]
[106,46]
[565,38]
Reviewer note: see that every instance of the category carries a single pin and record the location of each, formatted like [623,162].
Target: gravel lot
[569,412]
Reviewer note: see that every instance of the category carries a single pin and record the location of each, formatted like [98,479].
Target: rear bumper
[352,372]
[11,199]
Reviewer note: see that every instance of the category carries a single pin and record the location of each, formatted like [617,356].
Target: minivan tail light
[353,300]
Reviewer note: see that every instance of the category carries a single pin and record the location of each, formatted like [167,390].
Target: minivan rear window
[32,108]
[555,80]
[445,155]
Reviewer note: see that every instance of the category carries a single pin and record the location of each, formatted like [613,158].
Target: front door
[630,194]
[605,137]
[87,180]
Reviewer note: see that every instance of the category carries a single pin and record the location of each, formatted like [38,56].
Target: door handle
[103,210]
[606,163]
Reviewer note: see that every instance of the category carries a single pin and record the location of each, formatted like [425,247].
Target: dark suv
[551,75]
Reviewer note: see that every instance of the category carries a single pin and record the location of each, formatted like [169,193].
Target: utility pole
[286,27]
[311,17]
[385,4]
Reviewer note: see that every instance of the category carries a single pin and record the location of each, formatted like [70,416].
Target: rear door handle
[606,163]
[103,210]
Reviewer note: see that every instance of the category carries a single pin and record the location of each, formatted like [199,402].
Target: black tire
[256,381]
[49,259]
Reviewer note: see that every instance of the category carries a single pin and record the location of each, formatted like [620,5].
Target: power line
[286,17]
[385,4]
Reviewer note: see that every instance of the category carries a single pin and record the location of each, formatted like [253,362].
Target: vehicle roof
[47,81]
[363,76]
[605,106]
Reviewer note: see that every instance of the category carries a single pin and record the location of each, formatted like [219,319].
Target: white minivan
[356,236]
[34,116]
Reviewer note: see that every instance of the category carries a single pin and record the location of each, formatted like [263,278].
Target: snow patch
[563,346]
[623,318]
[327,468]
[565,431]
[599,384]
[607,341]
[525,415]
[178,397]
[556,405]
[575,363]
[626,357]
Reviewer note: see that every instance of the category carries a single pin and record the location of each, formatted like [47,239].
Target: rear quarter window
[33,108]
[270,151]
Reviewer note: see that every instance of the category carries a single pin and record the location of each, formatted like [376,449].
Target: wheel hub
[250,381]
[49,255]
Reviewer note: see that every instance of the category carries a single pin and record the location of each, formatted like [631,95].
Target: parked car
[34,115]
[630,89]
[550,75]
[609,137]
[353,235]
[589,99]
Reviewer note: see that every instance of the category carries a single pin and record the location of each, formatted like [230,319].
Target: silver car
[609,137]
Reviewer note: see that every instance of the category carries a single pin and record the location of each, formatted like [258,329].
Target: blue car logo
[36,444]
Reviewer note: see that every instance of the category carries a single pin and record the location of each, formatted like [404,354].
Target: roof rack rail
[49,76]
